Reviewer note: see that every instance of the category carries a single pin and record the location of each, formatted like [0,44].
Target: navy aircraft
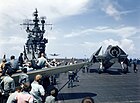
[112,55]
[54,54]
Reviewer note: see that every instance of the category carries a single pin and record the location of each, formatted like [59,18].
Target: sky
[79,27]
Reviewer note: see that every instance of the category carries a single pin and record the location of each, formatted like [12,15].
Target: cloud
[78,33]
[128,11]
[12,40]
[112,11]
[107,42]
[11,45]
[122,31]
[93,46]
[126,44]
[111,8]
[51,8]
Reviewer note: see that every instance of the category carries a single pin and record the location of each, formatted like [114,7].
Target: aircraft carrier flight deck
[110,87]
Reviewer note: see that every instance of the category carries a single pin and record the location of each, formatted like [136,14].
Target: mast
[36,43]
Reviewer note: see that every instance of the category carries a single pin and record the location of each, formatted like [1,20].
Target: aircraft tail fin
[93,56]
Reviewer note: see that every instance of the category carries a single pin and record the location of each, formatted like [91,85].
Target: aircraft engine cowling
[114,51]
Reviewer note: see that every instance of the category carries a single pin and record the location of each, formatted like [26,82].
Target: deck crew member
[71,79]
[42,61]
[2,66]
[24,78]
[135,67]
[12,97]
[37,89]
[14,64]
[25,96]
[20,60]
[87,100]
[50,98]
[8,85]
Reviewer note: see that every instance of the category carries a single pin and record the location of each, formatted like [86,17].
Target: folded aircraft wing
[95,55]
[50,71]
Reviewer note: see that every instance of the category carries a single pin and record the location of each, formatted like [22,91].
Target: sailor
[25,96]
[37,89]
[14,64]
[2,66]
[52,88]
[12,97]
[53,77]
[50,98]
[8,85]
[75,75]
[28,66]
[53,62]
[135,67]
[46,82]
[71,79]
[24,78]
[87,100]
[20,60]
[42,61]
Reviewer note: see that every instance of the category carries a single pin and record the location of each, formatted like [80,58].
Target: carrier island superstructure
[36,43]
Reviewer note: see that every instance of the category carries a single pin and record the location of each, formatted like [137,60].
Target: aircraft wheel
[99,71]
[125,70]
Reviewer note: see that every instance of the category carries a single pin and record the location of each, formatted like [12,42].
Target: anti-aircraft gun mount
[36,42]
